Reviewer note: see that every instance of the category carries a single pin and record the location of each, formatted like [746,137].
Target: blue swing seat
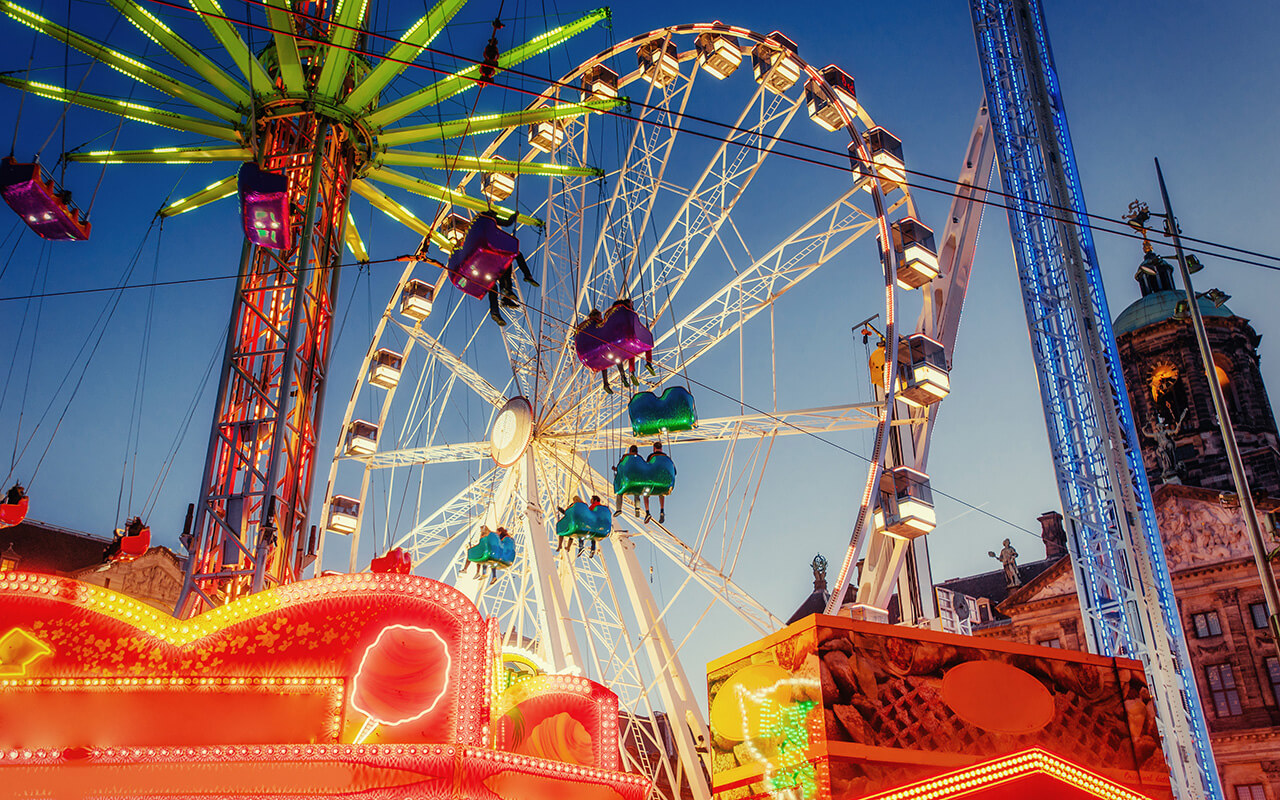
[673,411]
[581,519]
[491,549]
[635,475]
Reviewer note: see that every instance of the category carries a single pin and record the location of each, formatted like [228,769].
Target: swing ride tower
[305,108]
[251,518]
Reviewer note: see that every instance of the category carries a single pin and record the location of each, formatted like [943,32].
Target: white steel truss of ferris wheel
[643,235]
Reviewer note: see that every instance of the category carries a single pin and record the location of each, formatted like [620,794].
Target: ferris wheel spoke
[487,391]
[811,421]
[422,456]
[127,65]
[756,288]
[715,196]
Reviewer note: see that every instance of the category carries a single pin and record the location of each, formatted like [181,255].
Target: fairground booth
[353,686]
[830,707]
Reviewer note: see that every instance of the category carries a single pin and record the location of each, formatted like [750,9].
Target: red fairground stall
[353,686]
[830,707]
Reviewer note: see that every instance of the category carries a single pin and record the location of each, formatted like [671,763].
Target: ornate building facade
[1215,579]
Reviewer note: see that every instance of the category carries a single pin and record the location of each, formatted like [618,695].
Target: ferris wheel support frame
[892,562]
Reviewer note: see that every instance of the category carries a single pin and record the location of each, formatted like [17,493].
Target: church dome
[1158,307]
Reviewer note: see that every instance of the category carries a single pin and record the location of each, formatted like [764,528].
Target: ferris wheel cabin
[922,371]
[547,135]
[718,53]
[774,65]
[822,109]
[905,507]
[599,83]
[385,368]
[454,229]
[886,156]
[45,206]
[498,186]
[264,206]
[415,302]
[344,514]
[659,61]
[362,438]
[917,255]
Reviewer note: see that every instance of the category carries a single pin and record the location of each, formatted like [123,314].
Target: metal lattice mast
[250,523]
[1126,596]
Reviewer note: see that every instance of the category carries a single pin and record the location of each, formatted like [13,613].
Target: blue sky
[1191,83]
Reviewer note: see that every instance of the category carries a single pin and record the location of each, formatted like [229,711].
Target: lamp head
[1217,297]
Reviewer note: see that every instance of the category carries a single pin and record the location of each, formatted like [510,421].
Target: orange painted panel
[838,708]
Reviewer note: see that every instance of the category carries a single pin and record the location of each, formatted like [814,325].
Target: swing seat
[43,205]
[581,519]
[621,335]
[635,475]
[491,549]
[673,411]
[264,206]
[485,254]
[397,561]
[13,513]
[135,544]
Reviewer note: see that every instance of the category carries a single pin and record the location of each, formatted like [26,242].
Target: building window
[1250,791]
[1168,395]
[1050,643]
[1259,613]
[8,564]
[1206,624]
[1222,685]
[1272,667]
[984,611]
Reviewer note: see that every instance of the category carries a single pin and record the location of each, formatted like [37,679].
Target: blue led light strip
[1122,578]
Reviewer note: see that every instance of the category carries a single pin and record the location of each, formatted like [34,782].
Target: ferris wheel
[456,425]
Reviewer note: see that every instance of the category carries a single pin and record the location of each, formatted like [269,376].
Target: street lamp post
[1224,423]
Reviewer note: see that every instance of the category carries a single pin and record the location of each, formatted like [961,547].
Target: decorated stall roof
[360,686]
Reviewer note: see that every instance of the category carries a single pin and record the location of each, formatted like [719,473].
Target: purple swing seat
[42,204]
[619,337]
[485,254]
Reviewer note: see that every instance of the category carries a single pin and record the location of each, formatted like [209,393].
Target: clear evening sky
[1192,83]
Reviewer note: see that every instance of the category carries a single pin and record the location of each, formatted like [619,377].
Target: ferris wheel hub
[512,431]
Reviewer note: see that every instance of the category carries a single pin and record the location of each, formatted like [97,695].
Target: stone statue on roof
[1008,559]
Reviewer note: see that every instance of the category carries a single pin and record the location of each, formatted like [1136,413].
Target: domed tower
[1172,406]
